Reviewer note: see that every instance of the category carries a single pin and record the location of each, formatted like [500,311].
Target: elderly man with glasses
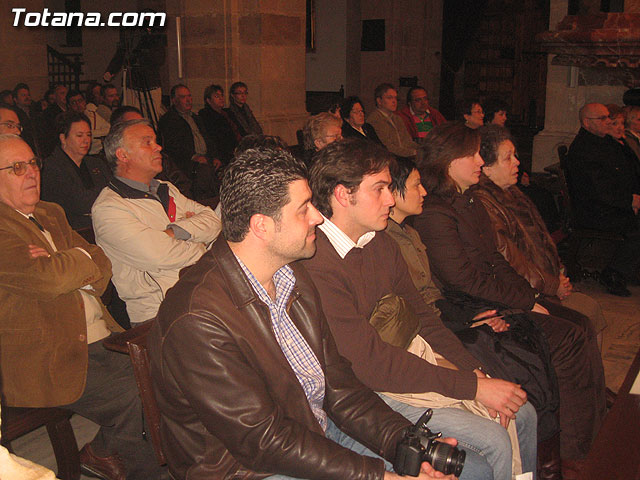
[605,194]
[52,321]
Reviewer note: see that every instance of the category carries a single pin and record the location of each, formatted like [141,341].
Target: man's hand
[491,318]
[564,288]
[107,77]
[427,472]
[500,397]
[539,309]
[635,203]
[36,251]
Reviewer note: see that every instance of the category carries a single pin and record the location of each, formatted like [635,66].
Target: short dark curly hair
[66,119]
[256,182]
[492,106]
[491,137]
[344,163]
[347,106]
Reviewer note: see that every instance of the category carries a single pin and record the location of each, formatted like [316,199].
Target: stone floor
[620,344]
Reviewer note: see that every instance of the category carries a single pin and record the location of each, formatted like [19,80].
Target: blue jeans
[486,442]
[344,440]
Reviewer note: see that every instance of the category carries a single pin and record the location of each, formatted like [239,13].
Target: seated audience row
[150,231]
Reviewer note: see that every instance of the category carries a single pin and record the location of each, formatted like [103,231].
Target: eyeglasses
[20,168]
[602,118]
[12,125]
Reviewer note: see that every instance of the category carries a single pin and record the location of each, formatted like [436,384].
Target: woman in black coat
[70,177]
[352,113]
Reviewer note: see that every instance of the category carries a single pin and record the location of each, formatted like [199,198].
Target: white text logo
[89,19]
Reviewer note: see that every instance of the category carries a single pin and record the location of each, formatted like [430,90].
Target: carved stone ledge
[604,41]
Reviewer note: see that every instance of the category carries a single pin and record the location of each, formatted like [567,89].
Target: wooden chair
[578,237]
[134,343]
[20,421]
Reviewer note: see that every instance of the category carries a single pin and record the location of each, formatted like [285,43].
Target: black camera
[420,445]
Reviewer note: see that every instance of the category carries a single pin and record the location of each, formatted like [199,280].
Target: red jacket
[407,118]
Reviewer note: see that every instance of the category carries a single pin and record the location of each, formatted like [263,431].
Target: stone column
[24,51]
[261,43]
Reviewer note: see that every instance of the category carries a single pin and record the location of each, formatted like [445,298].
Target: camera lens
[445,458]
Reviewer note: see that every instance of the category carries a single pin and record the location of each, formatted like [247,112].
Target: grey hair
[115,140]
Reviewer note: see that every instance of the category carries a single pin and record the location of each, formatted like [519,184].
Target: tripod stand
[142,96]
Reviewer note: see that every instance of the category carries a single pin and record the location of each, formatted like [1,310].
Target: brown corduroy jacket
[43,331]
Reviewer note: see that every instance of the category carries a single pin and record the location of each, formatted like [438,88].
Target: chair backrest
[567,220]
[134,342]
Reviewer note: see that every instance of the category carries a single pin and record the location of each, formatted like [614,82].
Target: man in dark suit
[217,123]
[185,141]
[605,193]
[23,104]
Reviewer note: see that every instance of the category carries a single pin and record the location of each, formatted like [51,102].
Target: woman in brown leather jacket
[520,233]
[472,274]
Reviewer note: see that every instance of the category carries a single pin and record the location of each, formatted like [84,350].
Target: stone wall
[261,43]
[413,37]
[413,44]
[24,50]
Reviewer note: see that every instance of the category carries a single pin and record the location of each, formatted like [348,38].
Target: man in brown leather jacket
[247,375]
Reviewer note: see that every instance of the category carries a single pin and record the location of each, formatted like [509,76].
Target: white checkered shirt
[295,348]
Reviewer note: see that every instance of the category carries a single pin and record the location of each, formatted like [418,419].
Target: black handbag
[520,355]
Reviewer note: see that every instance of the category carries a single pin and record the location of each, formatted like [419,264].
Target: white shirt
[340,240]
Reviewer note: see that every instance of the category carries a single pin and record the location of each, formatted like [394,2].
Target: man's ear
[121,155]
[261,225]
[341,195]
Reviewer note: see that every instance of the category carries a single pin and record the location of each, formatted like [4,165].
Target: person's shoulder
[49,208]
[170,116]
[50,211]
[375,116]
[437,202]
[106,197]
[404,112]
[582,138]
[95,161]
[325,256]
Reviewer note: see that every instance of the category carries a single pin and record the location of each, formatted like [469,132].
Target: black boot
[549,459]
[614,282]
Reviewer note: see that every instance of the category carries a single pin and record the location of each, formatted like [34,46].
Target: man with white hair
[147,228]
[52,322]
